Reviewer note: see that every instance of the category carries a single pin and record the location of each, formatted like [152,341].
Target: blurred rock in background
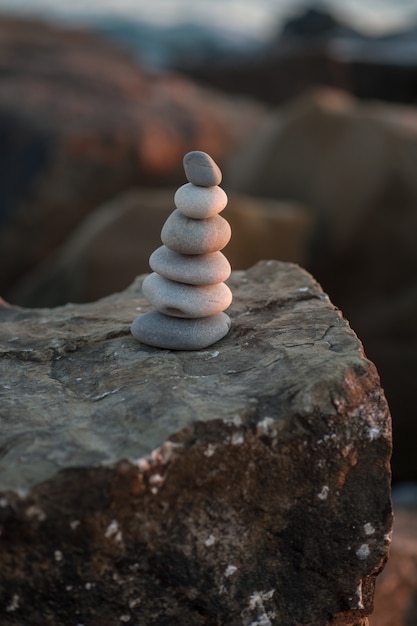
[354,165]
[80,121]
[112,246]
[315,48]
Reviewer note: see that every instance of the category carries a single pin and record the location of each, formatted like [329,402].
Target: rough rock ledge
[247,484]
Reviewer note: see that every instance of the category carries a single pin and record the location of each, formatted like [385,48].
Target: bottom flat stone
[174,333]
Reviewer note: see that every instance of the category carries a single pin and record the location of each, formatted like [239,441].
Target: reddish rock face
[80,121]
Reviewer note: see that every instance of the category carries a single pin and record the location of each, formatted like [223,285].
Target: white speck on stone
[79,378]
[346,451]
[256,603]
[237,439]
[138,308]
[143,465]
[125,618]
[363,552]
[133,603]
[323,493]
[237,420]
[112,531]
[105,394]
[58,556]
[374,432]
[74,524]
[265,427]
[230,570]
[359,596]
[369,529]
[168,450]
[259,597]
[303,289]
[210,541]
[68,587]
[388,537]
[264,619]
[210,450]
[35,512]
[14,604]
[89,586]
[155,480]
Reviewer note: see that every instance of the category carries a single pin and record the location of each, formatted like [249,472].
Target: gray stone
[174,333]
[189,236]
[200,169]
[181,300]
[200,202]
[193,269]
[241,484]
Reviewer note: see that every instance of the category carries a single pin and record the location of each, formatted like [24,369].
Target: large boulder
[244,484]
[353,164]
[80,121]
[113,244]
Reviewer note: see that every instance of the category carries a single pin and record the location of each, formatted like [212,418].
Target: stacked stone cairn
[186,287]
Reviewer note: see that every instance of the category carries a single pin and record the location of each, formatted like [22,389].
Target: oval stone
[200,202]
[200,169]
[181,300]
[174,333]
[190,236]
[193,269]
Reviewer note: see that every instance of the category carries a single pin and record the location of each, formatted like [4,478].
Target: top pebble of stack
[201,170]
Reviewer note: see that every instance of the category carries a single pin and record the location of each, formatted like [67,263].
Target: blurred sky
[255,17]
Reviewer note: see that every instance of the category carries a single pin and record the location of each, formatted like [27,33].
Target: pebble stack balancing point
[187,288]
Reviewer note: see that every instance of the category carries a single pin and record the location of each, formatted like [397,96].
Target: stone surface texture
[245,484]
